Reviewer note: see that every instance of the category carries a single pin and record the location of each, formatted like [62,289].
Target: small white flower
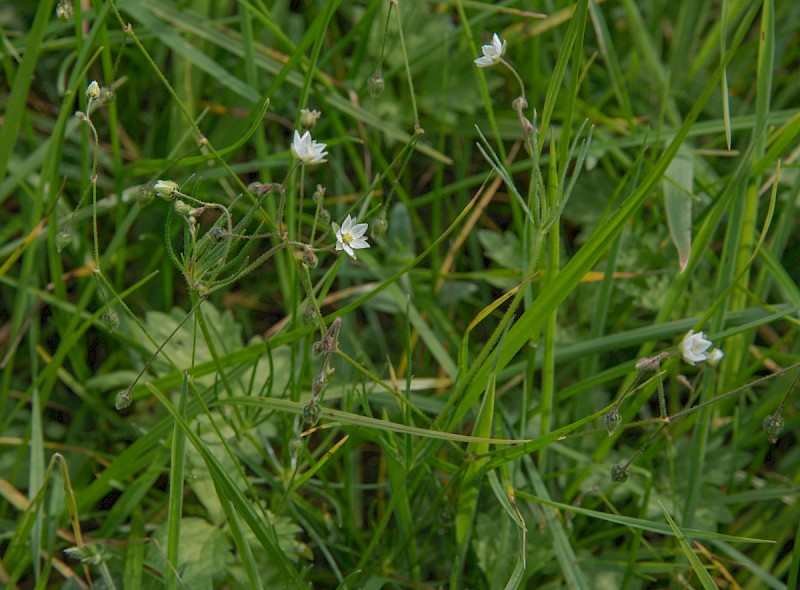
[350,236]
[694,346]
[307,150]
[715,356]
[93,90]
[492,54]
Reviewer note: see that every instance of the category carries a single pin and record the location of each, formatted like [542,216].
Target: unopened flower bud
[773,426]
[318,386]
[379,227]
[166,189]
[375,84]
[715,357]
[182,208]
[619,474]
[93,90]
[63,238]
[309,258]
[612,421]
[123,399]
[651,363]
[310,316]
[107,95]
[309,118]
[111,320]
[324,215]
[65,11]
[312,413]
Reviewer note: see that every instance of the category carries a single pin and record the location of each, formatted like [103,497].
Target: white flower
[93,90]
[492,54]
[307,150]
[715,356]
[693,347]
[350,236]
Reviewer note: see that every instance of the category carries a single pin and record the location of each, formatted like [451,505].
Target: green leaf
[697,565]
[678,184]
[204,557]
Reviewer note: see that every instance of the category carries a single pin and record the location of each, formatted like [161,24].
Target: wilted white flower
[492,54]
[715,356]
[694,346]
[93,90]
[309,118]
[166,189]
[350,236]
[65,11]
[307,150]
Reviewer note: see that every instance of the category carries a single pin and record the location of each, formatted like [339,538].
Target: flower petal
[358,230]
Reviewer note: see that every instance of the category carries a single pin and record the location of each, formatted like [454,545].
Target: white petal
[496,40]
[358,230]
[347,225]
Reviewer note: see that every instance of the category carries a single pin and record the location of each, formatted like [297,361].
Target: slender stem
[396,5]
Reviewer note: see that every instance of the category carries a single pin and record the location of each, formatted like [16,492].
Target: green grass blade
[697,566]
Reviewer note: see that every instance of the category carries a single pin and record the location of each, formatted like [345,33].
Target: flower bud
[612,421]
[309,118]
[375,84]
[182,208]
[93,90]
[318,386]
[166,189]
[312,413]
[619,474]
[773,426]
[309,258]
[107,95]
[650,363]
[65,11]
[111,320]
[715,357]
[379,227]
[63,238]
[310,316]
[123,399]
